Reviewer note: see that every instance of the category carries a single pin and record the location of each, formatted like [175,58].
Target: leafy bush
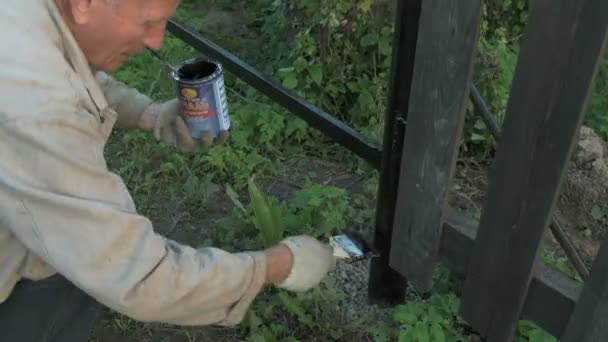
[339,58]
[505,17]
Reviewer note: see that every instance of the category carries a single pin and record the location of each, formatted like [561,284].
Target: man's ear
[81,10]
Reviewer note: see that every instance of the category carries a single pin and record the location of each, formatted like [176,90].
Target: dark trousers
[50,310]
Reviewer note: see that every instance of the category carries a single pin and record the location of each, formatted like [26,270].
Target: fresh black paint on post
[386,286]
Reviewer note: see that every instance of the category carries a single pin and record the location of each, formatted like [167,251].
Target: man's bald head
[110,31]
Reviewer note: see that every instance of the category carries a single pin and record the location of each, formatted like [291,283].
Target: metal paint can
[202,95]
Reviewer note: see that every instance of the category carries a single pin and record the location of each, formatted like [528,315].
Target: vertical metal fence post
[386,286]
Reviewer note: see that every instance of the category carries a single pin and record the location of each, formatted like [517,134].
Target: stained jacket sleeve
[128,102]
[79,217]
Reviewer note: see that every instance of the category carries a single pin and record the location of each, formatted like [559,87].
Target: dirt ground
[585,187]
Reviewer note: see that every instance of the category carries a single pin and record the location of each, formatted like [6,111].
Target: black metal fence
[433,52]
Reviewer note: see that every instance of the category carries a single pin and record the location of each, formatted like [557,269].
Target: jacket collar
[77,58]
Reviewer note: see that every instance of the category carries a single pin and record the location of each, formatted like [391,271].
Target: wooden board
[588,322]
[548,285]
[557,63]
[447,41]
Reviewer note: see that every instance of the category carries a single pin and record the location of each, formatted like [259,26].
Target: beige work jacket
[62,210]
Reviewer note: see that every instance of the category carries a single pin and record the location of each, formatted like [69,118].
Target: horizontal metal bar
[482,108]
[547,286]
[335,129]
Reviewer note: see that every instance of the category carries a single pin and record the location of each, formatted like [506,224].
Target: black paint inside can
[198,70]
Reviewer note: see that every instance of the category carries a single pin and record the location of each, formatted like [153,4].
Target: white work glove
[162,119]
[312,260]
[169,127]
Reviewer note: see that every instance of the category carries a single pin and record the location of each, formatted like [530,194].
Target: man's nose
[154,40]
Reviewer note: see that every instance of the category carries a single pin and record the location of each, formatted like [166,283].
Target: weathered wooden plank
[558,61]
[588,322]
[386,286]
[447,41]
[547,286]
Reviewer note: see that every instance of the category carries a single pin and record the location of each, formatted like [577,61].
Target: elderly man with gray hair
[70,234]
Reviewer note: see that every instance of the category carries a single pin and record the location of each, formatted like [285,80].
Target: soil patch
[585,187]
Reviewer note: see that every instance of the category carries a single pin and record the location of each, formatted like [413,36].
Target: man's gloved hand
[168,126]
[163,119]
[312,260]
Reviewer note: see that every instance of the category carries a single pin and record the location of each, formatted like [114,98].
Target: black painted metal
[317,118]
[482,108]
[386,286]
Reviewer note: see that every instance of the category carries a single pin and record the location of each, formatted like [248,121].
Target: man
[70,235]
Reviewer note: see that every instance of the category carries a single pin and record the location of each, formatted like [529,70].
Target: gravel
[351,278]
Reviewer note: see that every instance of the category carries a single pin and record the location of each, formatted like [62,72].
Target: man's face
[109,34]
